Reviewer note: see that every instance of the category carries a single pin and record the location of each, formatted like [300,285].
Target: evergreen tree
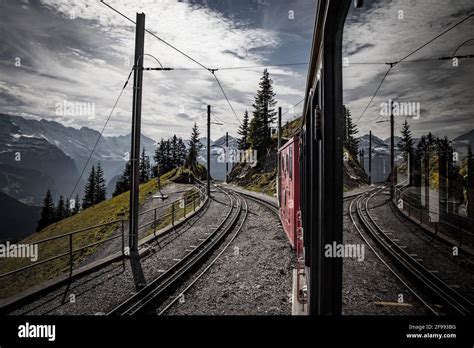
[264,114]
[89,191]
[243,142]
[47,212]
[124,181]
[351,143]
[174,160]
[159,156]
[61,210]
[194,147]
[421,148]
[144,167]
[99,183]
[181,152]
[406,142]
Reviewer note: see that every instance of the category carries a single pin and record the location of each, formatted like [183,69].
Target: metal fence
[177,207]
[456,226]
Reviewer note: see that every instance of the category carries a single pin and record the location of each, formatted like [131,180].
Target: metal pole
[370,158]
[136,124]
[278,155]
[209,150]
[226,156]
[392,154]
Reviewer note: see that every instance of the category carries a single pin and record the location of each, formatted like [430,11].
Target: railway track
[159,288]
[438,290]
[272,207]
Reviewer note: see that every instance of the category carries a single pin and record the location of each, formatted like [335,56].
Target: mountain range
[38,154]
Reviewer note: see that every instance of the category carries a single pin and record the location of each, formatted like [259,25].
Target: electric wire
[100,135]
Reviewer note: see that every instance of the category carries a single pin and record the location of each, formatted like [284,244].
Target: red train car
[289,187]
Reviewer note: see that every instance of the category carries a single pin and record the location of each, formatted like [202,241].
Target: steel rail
[359,230]
[239,228]
[437,287]
[162,284]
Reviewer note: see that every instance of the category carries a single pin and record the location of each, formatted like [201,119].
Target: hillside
[18,220]
[108,211]
[263,177]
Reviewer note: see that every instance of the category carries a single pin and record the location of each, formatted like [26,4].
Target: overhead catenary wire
[392,64]
[100,136]
[212,71]
[248,66]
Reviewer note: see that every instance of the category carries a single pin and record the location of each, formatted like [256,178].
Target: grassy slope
[110,210]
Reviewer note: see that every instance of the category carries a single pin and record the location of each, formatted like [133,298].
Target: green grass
[108,211]
[263,183]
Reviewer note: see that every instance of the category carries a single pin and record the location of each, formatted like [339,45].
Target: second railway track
[453,302]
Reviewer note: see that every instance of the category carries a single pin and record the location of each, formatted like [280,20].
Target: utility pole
[226,156]
[392,153]
[136,125]
[209,151]
[370,157]
[278,155]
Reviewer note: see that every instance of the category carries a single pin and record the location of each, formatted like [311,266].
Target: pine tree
[100,189]
[194,147]
[144,168]
[47,212]
[174,161]
[351,143]
[421,148]
[61,210]
[243,142]
[89,191]
[159,156]
[264,114]
[406,142]
[181,152]
[123,182]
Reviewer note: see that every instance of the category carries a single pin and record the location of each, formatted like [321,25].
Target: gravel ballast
[252,277]
[369,288]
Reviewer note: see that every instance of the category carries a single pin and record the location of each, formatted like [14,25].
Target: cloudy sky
[82,51]
[380,33]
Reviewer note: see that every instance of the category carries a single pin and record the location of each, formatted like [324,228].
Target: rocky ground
[252,277]
[369,288]
[456,270]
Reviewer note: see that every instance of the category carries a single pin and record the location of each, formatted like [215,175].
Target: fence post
[70,254]
[194,202]
[123,239]
[184,207]
[154,224]
[172,213]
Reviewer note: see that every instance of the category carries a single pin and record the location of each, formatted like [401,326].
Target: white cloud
[76,72]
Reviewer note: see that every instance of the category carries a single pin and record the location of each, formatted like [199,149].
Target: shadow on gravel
[116,271]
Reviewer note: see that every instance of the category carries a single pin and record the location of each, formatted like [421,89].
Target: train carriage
[289,182]
[317,156]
